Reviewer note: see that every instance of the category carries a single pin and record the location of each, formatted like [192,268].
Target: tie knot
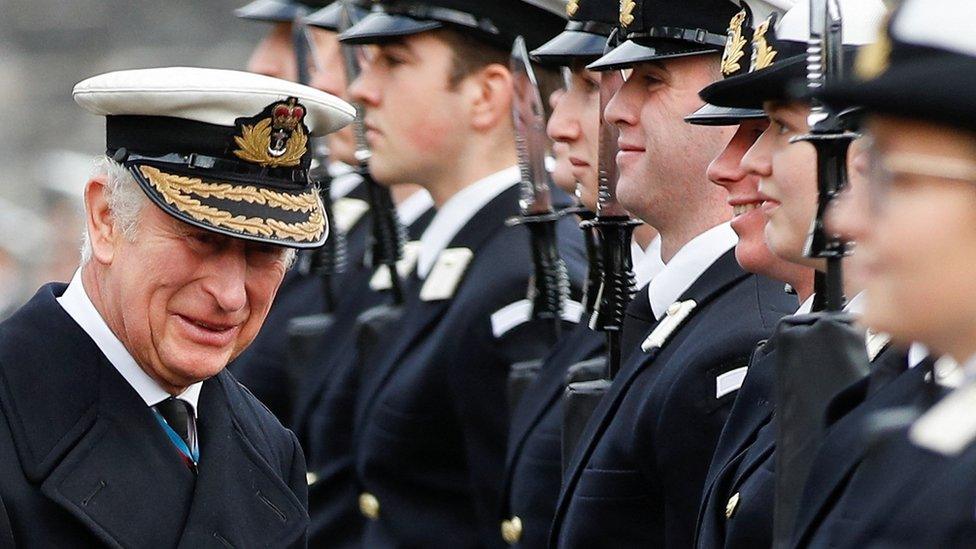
[177,414]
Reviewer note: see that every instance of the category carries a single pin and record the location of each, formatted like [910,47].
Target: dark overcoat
[84,463]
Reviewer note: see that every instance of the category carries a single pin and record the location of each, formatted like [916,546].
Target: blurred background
[47,142]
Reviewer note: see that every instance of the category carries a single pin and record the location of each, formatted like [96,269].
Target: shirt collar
[806,306]
[691,261]
[648,264]
[78,305]
[457,211]
[414,206]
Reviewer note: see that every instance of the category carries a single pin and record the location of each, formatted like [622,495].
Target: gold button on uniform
[731,505]
[512,530]
[369,506]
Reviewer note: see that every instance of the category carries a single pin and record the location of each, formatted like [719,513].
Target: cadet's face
[275,54]
[918,246]
[748,222]
[575,123]
[662,158]
[787,181]
[328,73]
[562,172]
[186,301]
[414,121]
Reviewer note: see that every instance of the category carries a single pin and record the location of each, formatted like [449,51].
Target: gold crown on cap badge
[735,44]
[275,141]
[572,7]
[627,12]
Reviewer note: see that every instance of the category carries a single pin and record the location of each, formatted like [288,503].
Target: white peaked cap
[943,24]
[213,96]
[762,9]
[862,20]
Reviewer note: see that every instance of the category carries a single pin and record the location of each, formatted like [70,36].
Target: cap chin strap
[445,15]
[698,36]
[592,27]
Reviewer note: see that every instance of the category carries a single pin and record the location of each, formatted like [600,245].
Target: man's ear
[102,232]
[492,93]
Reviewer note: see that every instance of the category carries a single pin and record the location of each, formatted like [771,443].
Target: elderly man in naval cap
[118,425]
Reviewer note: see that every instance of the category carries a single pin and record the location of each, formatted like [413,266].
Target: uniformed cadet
[915,487]
[753,406]
[136,437]
[431,419]
[636,476]
[533,469]
[737,508]
[324,405]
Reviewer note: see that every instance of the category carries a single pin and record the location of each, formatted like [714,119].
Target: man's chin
[193,365]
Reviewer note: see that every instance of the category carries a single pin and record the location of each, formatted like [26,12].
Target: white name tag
[730,381]
[381,277]
[876,343]
[677,314]
[347,211]
[949,426]
[446,274]
[515,314]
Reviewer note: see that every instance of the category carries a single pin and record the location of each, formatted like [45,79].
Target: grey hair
[126,200]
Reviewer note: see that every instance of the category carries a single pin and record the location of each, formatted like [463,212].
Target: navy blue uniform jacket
[83,462]
[533,465]
[324,418]
[637,475]
[431,416]
[857,473]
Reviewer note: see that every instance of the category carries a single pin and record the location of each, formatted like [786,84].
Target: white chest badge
[949,426]
[381,278]
[446,274]
[346,212]
[677,313]
[875,343]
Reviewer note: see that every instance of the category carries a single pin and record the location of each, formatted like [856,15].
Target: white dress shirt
[78,305]
[414,206]
[457,211]
[648,263]
[691,261]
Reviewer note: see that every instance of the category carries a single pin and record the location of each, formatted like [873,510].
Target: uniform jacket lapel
[88,439]
[750,412]
[235,481]
[719,276]
[422,315]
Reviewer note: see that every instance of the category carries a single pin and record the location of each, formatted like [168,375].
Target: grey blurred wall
[46,46]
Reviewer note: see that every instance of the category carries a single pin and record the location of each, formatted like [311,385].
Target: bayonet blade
[530,134]
[607,205]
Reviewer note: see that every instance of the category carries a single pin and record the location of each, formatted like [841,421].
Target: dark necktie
[179,419]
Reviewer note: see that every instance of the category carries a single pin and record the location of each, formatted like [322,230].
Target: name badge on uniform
[381,278]
[446,274]
[677,313]
[346,212]
[949,426]
[875,343]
